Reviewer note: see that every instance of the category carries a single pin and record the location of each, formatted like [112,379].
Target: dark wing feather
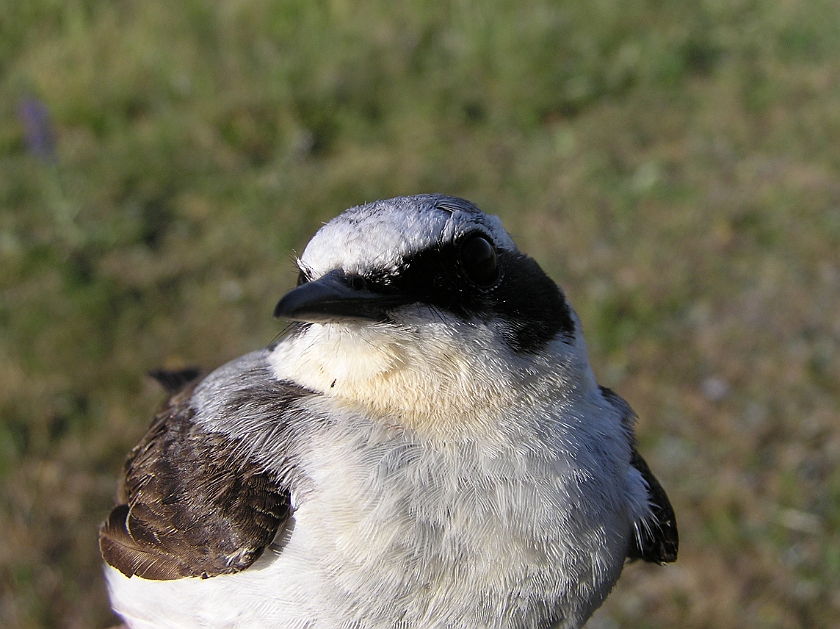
[175,380]
[655,540]
[194,507]
[131,556]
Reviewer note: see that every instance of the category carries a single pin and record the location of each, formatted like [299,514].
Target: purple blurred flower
[40,138]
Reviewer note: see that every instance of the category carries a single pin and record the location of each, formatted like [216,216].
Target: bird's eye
[302,279]
[478,259]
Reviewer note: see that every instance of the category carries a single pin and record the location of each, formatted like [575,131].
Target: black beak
[335,297]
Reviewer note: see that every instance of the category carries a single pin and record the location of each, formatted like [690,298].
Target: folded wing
[193,505]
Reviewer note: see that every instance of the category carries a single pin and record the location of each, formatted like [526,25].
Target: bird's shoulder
[655,539]
[195,500]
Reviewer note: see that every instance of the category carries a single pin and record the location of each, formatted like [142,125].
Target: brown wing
[192,506]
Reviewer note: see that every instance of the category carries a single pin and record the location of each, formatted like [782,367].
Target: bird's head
[423,309]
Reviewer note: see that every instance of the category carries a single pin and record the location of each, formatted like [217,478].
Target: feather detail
[656,540]
[193,506]
[174,381]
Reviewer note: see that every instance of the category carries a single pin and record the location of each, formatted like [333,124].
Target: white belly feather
[412,529]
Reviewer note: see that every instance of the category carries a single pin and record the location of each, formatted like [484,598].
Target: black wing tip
[175,380]
[657,540]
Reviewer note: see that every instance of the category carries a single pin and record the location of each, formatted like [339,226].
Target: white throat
[444,378]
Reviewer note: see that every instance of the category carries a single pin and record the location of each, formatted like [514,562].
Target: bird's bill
[335,297]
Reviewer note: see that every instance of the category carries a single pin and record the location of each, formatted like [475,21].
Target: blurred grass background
[674,165]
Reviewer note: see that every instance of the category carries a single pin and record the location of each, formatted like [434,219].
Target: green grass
[675,166]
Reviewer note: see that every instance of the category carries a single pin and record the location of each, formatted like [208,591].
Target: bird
[425,446]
